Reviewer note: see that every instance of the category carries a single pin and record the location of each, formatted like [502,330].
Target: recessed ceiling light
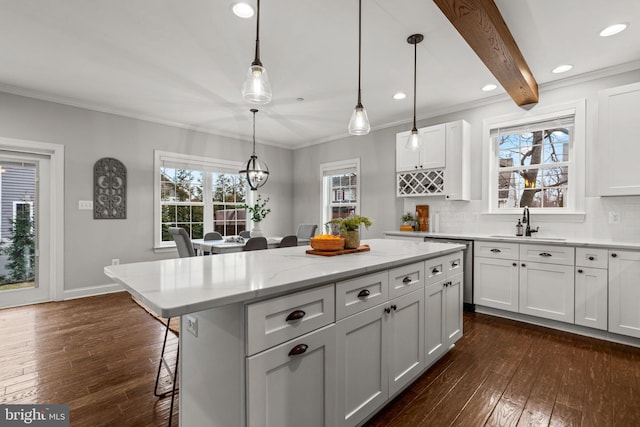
[613,29]
[562,69]
[489,87]
[242,10]
[399,95]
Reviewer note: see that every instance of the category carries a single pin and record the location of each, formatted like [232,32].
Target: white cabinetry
[624,292]
[430,156]
[496,275]
[380,349]
[443,305]
[619,127]
[591,288]
[440,168]
[547,282]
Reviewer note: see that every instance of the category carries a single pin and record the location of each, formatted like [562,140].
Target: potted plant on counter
[258,212]
[350,229]
[408,221]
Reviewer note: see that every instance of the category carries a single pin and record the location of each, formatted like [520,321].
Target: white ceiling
[183,62]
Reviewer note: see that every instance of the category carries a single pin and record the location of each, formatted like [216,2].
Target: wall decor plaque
[109,189]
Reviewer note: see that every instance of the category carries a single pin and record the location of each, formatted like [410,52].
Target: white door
[547,290]
[453,309]
[495,283]
[435,338]
[25,228]
[624,293]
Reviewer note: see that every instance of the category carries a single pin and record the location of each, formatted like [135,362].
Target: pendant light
[359,123]
[256,88]
[255,171]
[415,140]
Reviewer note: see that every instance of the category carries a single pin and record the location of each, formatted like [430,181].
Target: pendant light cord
[359,49]
[254,111]
[256,61]
[415,60]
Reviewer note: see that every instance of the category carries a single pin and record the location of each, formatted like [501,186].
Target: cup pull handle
[295,315]
[496,251]
[299,349]
[545,254]
[591,258]
[435,271]
[406,280]
[364,293]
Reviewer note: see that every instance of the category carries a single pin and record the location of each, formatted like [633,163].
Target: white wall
[377,153]
[88,136]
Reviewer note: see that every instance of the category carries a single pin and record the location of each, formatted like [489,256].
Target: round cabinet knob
[591,258]
[613,255]
[523,264]
[580,271]
[515,264]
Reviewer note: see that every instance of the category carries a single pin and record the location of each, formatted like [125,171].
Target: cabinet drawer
[589,257]
[498,250]
[455,264]
[361,293]
[435,270]
[563,255]
[405,279]
[267,323]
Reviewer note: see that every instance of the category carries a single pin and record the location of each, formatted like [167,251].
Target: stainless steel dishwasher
[468,268]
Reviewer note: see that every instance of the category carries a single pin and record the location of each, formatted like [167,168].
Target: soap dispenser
[519,228]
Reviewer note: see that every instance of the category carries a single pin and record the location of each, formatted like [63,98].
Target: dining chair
[288,241]
[245,234]
[306,231]
[183,242]
[255,244]
[212,235]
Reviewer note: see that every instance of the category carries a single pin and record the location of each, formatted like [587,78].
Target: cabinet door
[618,130]
[547,290]
[495,283]
[298,389]
[591,297]
[406,339]
[454,288]
[430,156]
[457,182]
[362,378]
[624,293]
[435,335]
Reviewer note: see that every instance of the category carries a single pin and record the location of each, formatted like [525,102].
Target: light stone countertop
[504,237]
[175,287]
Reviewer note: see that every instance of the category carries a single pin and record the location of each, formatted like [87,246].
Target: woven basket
[327,244]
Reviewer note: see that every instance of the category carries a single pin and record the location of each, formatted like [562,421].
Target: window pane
[167,191]
[183,213]
[168,213]
[197,213]
[553,177]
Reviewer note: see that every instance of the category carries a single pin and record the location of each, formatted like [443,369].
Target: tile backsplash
[467,217]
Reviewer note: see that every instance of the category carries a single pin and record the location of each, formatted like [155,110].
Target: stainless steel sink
[500,236]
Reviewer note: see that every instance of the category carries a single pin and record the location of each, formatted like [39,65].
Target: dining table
[229,244]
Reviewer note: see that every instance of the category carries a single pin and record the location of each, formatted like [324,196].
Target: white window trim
[337,167]
[188,162]
[575,208]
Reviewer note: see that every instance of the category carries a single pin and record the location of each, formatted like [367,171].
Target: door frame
[53,221]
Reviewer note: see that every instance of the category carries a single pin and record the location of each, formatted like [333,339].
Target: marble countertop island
[175,287]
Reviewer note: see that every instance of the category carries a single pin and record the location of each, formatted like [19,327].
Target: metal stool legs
[173,372]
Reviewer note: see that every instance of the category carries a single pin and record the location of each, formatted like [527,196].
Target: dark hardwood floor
[100,356]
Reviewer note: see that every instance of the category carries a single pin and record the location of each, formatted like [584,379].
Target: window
[199,195]
[340,189]
[536,162]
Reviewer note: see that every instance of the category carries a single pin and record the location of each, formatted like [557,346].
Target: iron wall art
[109,189]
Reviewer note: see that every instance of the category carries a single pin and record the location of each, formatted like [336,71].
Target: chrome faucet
[526,219]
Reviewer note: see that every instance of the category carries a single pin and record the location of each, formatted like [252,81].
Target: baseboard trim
[90,291]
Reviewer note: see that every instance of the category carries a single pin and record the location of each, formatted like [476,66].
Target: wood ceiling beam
[481,24]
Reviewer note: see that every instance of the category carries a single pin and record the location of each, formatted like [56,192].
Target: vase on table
[351,239]
[256,231]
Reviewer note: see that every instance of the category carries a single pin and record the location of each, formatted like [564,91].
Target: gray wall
[377,153]
[88,136]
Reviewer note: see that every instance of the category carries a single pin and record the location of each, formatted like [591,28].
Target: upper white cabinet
[430,156]
[619,127]
[440,167]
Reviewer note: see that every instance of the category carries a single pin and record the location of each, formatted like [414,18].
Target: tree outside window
[229,195]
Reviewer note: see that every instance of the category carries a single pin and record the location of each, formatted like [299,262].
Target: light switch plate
[614,217]
[85,205]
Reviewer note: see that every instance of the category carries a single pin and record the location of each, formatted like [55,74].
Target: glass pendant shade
[414,143]
[359,123]
[256,172]
[256,88]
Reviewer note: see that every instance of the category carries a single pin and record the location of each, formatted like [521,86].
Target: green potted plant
[350,229]
[258,212]
[407,222]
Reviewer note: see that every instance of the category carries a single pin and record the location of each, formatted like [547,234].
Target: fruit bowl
[327,242]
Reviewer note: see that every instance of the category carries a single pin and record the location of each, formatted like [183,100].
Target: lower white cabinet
[547,290]
[443,316]
[591,297]
[293,384]
[380,350]
[496,283]
[624,293]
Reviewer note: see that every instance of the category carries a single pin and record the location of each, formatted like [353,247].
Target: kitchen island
[317,340]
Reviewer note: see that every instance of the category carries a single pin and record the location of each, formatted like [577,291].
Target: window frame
[328,170]
[576,161]
[186,161]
